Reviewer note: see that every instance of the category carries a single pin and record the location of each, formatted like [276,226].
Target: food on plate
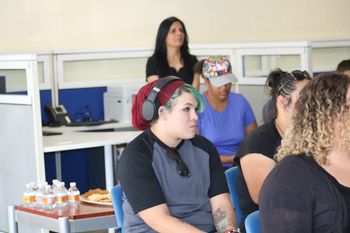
[98,195]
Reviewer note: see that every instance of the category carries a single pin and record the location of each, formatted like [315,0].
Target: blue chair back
[117,200]
[252,223]
[231,177]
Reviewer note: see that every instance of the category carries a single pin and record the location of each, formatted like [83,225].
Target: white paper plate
[83,199]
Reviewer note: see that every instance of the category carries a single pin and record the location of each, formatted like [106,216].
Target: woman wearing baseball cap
[171,177]
[227,117]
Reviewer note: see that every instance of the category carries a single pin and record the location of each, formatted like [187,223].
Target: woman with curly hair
[309,188]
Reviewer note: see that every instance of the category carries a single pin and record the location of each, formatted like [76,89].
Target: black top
[264,140]
[149,178]
[155,67]
[297,196]
[345,191]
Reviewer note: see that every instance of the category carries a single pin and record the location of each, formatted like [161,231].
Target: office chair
[231,177]
[252,223]
[117,200]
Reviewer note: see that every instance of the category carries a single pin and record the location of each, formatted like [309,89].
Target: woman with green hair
[171,177]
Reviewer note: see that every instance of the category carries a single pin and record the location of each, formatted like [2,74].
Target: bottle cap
[55,181]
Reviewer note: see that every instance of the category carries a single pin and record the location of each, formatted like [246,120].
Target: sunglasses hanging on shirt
[181,167]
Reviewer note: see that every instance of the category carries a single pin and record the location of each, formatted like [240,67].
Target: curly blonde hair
[322,103]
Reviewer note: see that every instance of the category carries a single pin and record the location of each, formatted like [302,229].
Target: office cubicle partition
[21,150]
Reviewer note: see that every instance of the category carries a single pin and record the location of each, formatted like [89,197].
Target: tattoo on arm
[223,220]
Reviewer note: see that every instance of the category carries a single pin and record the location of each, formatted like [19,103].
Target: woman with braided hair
[255,155]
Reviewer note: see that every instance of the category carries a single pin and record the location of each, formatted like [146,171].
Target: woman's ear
[206,80]
[282,103]
[162,113]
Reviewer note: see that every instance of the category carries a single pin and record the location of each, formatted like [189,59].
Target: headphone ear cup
[151,105]
[148,110]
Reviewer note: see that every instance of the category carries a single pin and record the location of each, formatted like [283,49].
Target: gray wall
[257,97]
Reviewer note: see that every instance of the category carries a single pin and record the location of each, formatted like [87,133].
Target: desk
[74,138]
[87,217]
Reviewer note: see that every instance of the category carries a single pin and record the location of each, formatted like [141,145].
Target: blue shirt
[226,129]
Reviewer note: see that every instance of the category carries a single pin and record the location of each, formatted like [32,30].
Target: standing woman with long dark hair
[171,54]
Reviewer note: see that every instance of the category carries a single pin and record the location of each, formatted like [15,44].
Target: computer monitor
[2,85]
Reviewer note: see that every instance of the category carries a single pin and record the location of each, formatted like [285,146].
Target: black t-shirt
[149,178]
[186,73]
[297,196]
[263,140]
[345,191]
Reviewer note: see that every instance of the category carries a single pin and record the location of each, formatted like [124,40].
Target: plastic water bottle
[39,194]
[73,195]
[28,198]
[34,186]
[61,195]
[55,183]
[48,198]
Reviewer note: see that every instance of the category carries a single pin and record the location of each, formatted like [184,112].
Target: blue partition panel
[81,166]
[45,99]
[82,104]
